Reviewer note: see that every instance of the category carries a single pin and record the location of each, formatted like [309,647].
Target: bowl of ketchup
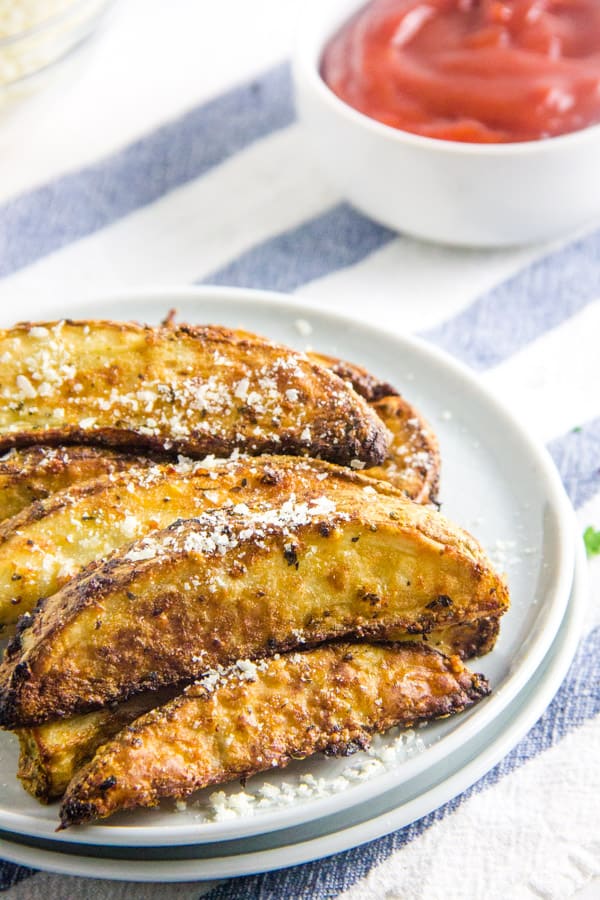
[469,122]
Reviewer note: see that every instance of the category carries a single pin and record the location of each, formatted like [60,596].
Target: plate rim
[560,656]
[146,835]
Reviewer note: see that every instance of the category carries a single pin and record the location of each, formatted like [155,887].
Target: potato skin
[466,640]
[162,610]
[413,461]
[330,699]
[185,389]
[364,383]
[34,473]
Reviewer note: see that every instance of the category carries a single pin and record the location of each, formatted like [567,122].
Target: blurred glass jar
[35,34]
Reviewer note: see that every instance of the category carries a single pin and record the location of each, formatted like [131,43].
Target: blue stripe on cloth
[489,330]
[577,701]
[11,874]
[334,240]
[523,307]
[577,457]
[77,204]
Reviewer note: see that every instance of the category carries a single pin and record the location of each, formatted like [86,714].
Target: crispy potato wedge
[35,473]
[186,389]
[413,461]
[52,753]
[364,383]
[250,718]
[51,540]
[358,559]
[44,546]
[46,543]
[467,640]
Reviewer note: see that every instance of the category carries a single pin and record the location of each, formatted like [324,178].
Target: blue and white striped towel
[169,160]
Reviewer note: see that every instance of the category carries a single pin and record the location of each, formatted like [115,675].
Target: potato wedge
[52,753]
[364,383]
[35,473]
[413,461]
[358,559]
[45,544]
[252,717]
[467,640]
[187,389]
[52,540]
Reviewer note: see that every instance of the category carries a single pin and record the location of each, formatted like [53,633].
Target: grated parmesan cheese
[241,389]
[130,526]
[247,668]
[145,551]
[25,387]
[38,331]
[357,464]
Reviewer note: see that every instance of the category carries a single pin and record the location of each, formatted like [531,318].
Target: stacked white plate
[497,484]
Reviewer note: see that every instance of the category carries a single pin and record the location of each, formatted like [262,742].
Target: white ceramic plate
[336,833]
[495,482]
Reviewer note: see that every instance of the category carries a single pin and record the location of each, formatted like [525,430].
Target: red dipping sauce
[483,71]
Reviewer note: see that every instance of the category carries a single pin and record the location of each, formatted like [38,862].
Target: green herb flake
[591,539]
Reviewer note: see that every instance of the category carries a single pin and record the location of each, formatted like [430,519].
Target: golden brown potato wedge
[413,461]
[188,389]
[35,473]
[357,559]
[251,718]
[52,753]
[50,541]
[46,543]
[364,383]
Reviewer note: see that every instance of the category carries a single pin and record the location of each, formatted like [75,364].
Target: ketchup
[483,71]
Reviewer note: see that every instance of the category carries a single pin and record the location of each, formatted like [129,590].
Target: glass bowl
[37,34]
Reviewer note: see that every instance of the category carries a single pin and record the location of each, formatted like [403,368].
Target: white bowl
[480,195]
